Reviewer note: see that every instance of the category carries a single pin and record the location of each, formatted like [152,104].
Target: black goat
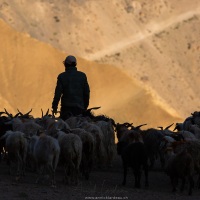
[134,156]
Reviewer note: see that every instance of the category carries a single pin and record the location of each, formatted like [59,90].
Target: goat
[71,155]
[181,166]
[16,146]
[134,156]
[99,149]
[46,154]
[87,151]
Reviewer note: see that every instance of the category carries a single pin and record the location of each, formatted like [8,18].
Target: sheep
[16,146]
[46,154]
[181,166]
[134,156]
[71,155]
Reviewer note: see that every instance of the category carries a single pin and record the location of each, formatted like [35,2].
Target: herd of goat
[85,142]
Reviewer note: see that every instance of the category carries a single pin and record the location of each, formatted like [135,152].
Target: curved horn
[10,115]
[42,113]
[177,127]
[47,112]
[137,127]
[29,112]
[17,115]
[168,126]
[94,108]
[19,112]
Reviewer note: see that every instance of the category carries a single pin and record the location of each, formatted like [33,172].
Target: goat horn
[42,113]
[94,108]
[169,126]
[19,112]
[17,115]
[10,115]
[29,112]
[47,112]
[140,125]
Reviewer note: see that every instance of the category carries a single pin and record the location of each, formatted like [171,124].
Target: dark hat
[70,60]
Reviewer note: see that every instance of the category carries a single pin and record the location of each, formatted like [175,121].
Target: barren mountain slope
[156,42]
[167,64]
[84,27]
[28,75]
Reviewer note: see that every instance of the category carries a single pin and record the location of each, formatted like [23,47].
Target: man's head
[70,61]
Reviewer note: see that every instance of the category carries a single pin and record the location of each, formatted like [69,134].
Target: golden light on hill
[29,70]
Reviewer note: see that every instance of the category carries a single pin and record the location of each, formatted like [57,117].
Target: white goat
[16,146]
[109,140]
[87,151]
[46,154]
[71,155]
[100,152]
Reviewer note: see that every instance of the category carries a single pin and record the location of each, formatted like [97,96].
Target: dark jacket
[73,89]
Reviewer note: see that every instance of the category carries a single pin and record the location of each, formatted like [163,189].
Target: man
[73,89]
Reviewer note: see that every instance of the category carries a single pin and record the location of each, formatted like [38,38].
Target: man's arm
[86,94]
[57,95]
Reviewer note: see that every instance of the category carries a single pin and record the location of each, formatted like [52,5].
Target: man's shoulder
[81,73]
[61,74]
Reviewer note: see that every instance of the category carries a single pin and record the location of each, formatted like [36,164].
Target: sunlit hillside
[154,42]
[29,69]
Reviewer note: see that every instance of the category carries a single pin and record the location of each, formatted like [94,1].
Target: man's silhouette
[73,89]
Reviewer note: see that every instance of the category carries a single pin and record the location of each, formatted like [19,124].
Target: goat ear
[1,113]
[160,127]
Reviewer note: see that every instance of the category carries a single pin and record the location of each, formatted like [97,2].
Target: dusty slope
[29,69]
[75,25]
[166,63]
[156,43]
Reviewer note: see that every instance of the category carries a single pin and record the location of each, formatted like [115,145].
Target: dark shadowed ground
[103,184]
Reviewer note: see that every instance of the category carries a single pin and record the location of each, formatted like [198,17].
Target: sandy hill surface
[28,75]
[154,46]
